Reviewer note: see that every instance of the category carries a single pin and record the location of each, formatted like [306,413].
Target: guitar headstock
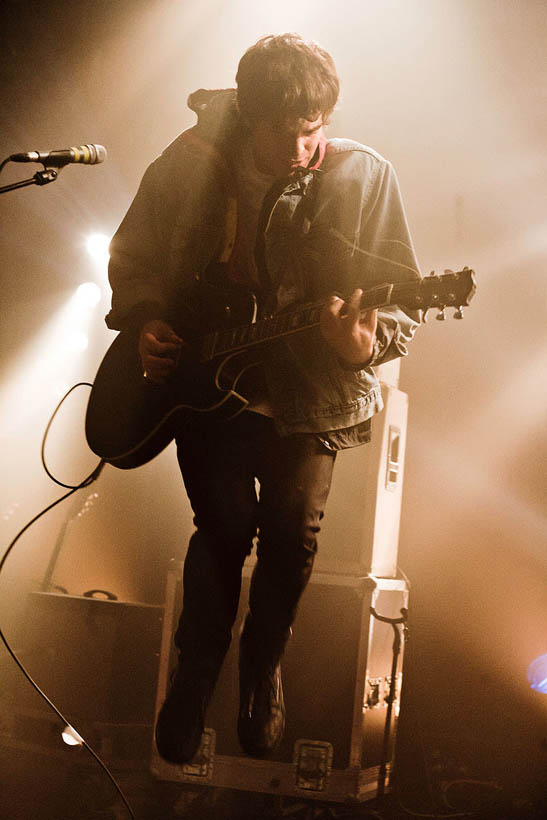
[450,289]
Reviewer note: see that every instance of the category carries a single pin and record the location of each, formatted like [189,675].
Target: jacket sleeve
[138,256]
[388,256]
[170,233]
[358,237]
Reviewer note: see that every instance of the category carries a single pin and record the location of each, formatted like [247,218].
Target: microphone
[87,154]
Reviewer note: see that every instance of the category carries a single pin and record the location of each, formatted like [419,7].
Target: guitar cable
[72,488]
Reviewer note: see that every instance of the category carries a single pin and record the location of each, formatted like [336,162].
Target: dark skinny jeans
[219,462]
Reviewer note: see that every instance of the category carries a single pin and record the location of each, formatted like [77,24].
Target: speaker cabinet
[360,531]
[96,659]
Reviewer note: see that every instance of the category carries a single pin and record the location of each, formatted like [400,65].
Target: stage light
[537,674]
[50,362]
[78,341]
[88,295]
[71,736]
[97,247]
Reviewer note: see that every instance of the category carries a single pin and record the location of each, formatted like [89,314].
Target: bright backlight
[78,341]
[88,294]
[97,247]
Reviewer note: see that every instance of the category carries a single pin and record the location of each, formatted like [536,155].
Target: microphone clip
[40,178]
[45,176]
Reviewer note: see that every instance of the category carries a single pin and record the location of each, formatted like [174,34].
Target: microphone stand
[39,178]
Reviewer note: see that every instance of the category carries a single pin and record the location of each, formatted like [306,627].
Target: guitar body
[129,420]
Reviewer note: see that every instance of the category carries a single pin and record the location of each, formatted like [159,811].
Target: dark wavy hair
[284,77]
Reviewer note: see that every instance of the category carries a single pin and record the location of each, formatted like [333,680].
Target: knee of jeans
[227,545]
[296,535]
[287,553]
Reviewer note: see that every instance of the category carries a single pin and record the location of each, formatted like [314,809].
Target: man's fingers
[158,369]
[338,307]
[369,319]
[340,316]
[160,348]
[334,305]
[158,362]
[168,336]
[354,303]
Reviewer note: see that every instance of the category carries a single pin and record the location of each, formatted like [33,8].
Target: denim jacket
[334,228]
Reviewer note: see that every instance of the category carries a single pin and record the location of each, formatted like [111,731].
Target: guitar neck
[221,343]
[448,290]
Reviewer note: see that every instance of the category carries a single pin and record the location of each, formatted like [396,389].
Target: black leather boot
[211,594]
[180,722]
[261,721]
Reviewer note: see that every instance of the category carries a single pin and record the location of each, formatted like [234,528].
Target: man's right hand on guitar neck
[159,348]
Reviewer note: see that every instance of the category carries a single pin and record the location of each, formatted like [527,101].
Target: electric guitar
[130,420]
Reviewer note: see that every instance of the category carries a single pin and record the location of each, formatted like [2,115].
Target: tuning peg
[441,316]
[459,313]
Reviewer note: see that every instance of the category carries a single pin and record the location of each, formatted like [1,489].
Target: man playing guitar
[254,209]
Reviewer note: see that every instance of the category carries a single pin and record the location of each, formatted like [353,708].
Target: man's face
[281,149]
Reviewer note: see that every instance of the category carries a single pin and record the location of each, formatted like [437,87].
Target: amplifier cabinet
[360,531]
[337,673]
[96,659]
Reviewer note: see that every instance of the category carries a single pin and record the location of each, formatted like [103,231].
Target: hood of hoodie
[218,117]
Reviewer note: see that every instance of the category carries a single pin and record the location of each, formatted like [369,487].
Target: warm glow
[88,295]
[97,247]
[50,362]
[78,341]
[453,94]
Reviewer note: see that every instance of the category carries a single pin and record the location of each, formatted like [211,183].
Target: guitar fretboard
[450,289]
[237,338]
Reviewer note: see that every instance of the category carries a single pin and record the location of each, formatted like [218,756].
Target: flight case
[342,682]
